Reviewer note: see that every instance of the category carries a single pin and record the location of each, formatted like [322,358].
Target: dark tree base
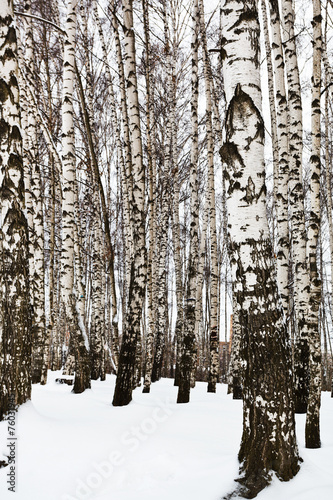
[36,378]
[177,376]
[237,392]
[300,407]
[67,381]
[312,436]
[82,375]
[122,399]
[146,389]
[211,387]
[248,488]
[183,393]
[183,398]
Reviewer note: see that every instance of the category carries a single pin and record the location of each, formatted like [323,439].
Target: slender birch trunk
[312,430]
[52,340]
[15,319]
[75,320]
[151,206]
[125,376]
[214,334]
[125,174]
[96,335]
[235,373]
[35,215]
[124,109]
[328,159]
[191,303]
[296,201]
[162,299]
[268,441]
[283,147]
[272,109]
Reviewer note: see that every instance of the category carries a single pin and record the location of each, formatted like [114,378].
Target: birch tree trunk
[37,235]
[75,320]
[235,374]
[312,431]
[271,97]
[283,148]
[191,302]
[166,201]
[296,201]
[268,441]
[15,319]
[214,334]
[151,206]
[125,376]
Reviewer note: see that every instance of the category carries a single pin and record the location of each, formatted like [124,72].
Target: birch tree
[312,430]
[37,233]
[297,210]
[268,442]
[151,158]
[15,319]
[125,376]
[188,341]
[214,334]
[68,284]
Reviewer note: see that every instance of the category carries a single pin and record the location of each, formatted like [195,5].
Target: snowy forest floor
[80,447]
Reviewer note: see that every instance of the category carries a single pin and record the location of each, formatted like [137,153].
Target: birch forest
[166,209]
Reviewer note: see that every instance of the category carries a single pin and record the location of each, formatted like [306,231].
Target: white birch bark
[192,305]
[271,97]
[151,157]
[69,294]
[214,334]
[296,202]
[166,202]
[125,376]
[312,428]
[282,137]
[37,235]
[15,320]
[126,182]
[268,441]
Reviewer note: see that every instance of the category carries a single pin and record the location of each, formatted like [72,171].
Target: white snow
[80,447]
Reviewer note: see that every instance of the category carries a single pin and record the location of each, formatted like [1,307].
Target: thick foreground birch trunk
[15,320]
[268,441]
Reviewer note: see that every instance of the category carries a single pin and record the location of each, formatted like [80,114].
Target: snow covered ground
[72,447]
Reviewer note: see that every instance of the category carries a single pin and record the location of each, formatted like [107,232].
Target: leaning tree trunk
[125,376]
[312,432]
[15,320]
[77,329]
[268,442]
